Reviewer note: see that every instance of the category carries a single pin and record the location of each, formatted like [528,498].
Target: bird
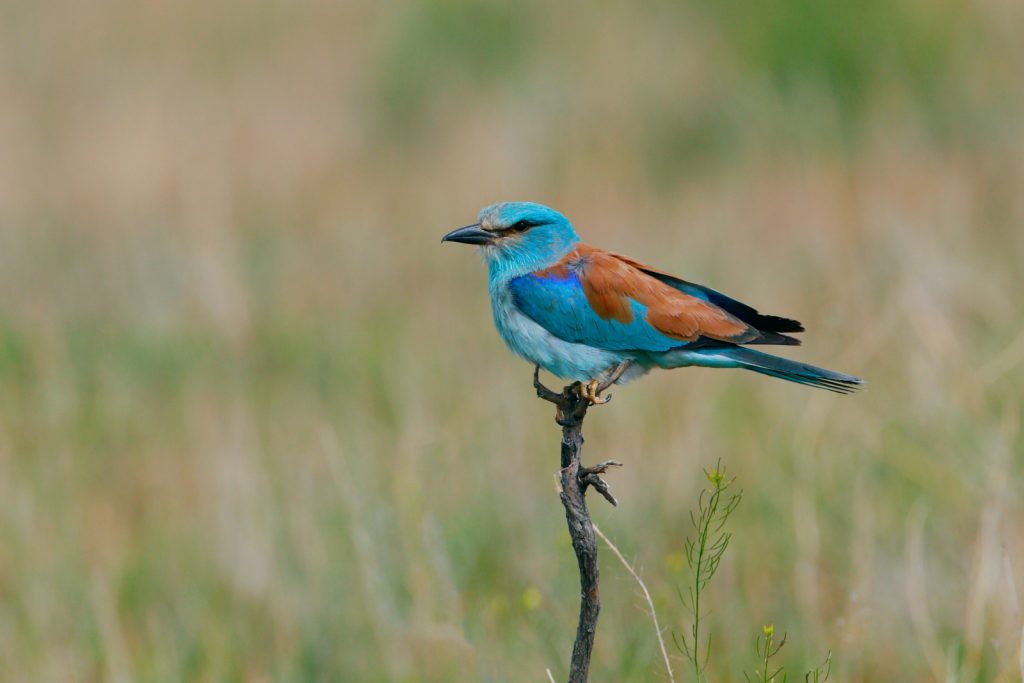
[592,316]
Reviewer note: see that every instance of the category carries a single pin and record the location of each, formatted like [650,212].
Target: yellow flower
[531,599]
[675,561]
[769,630]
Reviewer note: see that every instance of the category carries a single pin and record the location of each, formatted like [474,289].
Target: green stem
[767,651]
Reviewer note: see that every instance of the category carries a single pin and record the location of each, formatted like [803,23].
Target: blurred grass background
[255,423]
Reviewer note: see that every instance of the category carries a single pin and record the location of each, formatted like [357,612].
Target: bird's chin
[490,251]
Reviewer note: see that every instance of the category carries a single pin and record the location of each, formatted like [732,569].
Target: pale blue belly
[532,342]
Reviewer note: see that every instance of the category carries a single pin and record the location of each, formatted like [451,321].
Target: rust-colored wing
[611,282]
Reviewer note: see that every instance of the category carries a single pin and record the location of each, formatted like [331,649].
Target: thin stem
[696,603]
[767,655]
[647,596]
[703,555]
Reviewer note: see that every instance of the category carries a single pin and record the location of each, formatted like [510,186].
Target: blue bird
[586,314]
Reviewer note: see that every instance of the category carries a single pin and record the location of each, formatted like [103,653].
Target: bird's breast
[526,338]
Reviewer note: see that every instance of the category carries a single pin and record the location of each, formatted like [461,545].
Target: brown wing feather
[610,281]
[773,328]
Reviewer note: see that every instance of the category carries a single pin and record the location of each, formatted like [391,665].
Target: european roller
[586,314]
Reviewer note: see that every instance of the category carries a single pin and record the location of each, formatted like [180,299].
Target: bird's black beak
[471,234]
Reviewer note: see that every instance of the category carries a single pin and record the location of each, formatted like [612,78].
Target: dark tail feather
[793,371]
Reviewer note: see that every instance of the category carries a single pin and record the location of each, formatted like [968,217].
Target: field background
[255,424]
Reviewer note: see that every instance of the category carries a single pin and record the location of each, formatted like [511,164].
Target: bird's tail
[773,366]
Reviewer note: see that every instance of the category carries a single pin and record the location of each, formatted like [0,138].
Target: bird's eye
[522,225]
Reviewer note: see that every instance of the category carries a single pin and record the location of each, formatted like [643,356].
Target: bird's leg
[591,391]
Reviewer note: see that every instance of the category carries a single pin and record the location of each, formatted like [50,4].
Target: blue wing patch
[559,305]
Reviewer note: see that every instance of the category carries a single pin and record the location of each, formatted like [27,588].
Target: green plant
[703,555]
[766,649]
[819,674]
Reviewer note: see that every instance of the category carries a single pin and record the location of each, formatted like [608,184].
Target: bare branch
[542,391]
[571,407]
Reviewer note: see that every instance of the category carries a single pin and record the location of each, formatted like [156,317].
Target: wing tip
[775,323]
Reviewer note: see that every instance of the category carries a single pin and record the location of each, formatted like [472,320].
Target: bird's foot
[591,393]
[589,476]
[572,402]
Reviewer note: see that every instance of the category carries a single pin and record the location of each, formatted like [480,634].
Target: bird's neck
[512,263]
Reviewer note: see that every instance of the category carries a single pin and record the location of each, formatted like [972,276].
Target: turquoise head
[516,238]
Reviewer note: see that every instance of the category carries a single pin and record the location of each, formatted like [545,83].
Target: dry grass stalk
[647,597]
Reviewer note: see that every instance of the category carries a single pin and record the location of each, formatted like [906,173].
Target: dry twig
[571,407]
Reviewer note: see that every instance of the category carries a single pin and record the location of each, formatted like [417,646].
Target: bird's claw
[591,392]
[572,402]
